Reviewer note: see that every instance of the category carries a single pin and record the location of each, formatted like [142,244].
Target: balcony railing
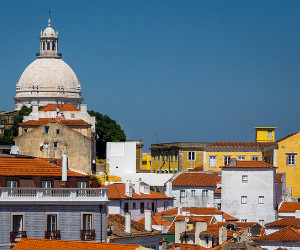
[52,235]
[51,194]
[87,235]
[17,236]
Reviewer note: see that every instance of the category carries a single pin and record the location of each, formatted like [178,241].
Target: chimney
[148,220]
[179,210]
[64,174]
[168,191]
[35,108]
[128,223]
[222,235]
[297,214]
[200,227]
[233,162]
[83,108]
[128,188]
[137,187]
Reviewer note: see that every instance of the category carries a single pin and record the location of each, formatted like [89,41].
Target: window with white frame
[191,155]
[244,178]
[212,160]
[81,184]
[204,193]
[244,200]
[182,193]
[226,159]
[17,222]
[241,157]
[254,157]
[46,184]
[261,200]
[193,192]
[291,159]
[11,184]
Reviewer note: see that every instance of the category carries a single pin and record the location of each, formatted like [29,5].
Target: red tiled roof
[240,144]
[188,246]
[289,207]
[42,121]
[196,179]
[157,220]
[285,222]
[250,164]
[43,244]
[218,190]
[117,191]
[279,177]
[62,107]
[287,234]
[196,169]
[198,211]
[31,167]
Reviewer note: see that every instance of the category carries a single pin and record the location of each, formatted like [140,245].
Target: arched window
[48,45]
[43,45]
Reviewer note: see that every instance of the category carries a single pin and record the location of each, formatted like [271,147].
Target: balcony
[35,195]
[52,235]
[48,53]
[87,235]
[17,236]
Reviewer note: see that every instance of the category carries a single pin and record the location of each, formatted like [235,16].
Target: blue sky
[188,70]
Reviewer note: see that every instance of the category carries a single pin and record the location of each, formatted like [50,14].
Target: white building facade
[248,191]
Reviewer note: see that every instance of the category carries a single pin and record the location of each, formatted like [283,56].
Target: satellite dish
[14,150]
[234,235]
[186,219]
[41,144]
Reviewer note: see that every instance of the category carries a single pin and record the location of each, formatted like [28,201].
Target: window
[46,184]
[244,200]
[11,184]
[193,193]
[25,130]
[167,156]
[17,227]
[142,207]
[226,159]
[126,207]
[87,221]
[262,222]
[46,130]
[241,157]
[81,184]
[46,145]
[55,144]
[244,178]
[58,131]
[153,207]
[191,155]
[212,160]
[261,200]
[182,193]
[51,222]
[291,159]
[176,155]
[204,193]
[254,157]
[171,156]
[153,170]
[269,135]
[48,45]
[134,205]
[166,205]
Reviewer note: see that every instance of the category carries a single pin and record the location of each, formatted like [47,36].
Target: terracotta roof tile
[31,167]
[279,177]
[62,107]
[200,168]
[250,164]
[218,190]
[206,219]
[157,220]
[118,223]
[287,234]
[285,222]
[43,121]
[196,179]
[240,144]
[117,191]
[238,224]
[43,244]
[289,207]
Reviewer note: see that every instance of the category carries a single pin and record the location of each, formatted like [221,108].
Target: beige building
[51,138]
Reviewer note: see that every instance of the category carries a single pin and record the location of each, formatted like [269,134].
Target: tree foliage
[107,130]
[12,132]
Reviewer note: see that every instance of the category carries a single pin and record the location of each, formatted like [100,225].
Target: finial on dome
[49,20]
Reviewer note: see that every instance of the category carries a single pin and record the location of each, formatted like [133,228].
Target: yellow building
[177,156]
[146,161]
[265,134]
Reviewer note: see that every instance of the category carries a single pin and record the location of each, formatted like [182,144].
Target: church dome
[49,32]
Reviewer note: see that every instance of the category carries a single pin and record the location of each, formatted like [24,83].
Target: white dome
[49,32]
